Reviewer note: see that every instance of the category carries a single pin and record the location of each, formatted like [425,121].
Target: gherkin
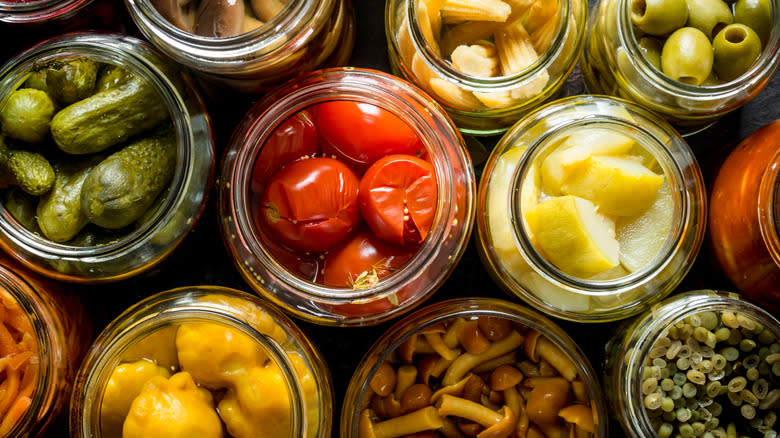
[71,81]
[28,170]
[26,115]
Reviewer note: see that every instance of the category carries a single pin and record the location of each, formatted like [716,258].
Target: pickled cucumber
[123,187]
[72,80]
[111,76]
[108,117]
[37,80]
[28,170]
[22,207]
[26,115]
[60,216]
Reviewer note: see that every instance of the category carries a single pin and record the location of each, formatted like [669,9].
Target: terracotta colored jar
[745,216]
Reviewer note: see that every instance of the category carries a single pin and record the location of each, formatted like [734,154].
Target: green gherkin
[112,76]
[28,170]
[71,81]
[22,207]
[26,115]
[122,187]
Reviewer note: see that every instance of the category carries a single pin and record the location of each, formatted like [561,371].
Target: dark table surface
[202,259]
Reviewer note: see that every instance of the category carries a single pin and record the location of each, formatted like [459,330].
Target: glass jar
[116,255]
[56,330]
[483,105]
[614,64]
[212,334]
[511,187]
[435,257]
[745,216]
[634,342]
[522,338]
[303,36]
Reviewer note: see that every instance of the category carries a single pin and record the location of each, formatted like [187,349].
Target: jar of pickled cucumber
[250,46]
[644,51]
[590,209]
[199,360]
[702,363]
[486,62]
[346,197]
[45,333]
[474,366]
[107,154]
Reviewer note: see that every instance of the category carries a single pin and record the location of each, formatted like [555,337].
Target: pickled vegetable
[218,18]
[26,115]
[72,80]
[28,170]
[19,358]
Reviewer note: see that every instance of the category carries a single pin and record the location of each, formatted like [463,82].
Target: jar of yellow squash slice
[487,62]
[202,361]
[590,209]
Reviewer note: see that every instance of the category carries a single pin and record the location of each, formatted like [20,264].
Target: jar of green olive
[474,366]
[644,50]
[111,171]
[702,363]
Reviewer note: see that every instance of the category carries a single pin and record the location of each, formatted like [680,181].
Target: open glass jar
[486,74]
[148,117]
[300,37]
[745,216]
[432,372]
[378,110]
[258,366]
[566,223]
[614,63]
[46,333]
[689,362]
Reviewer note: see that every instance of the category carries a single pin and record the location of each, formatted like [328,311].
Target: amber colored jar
[745,216]
[60,333]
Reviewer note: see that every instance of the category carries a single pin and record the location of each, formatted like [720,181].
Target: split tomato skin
[311,204]
[361,133]
[295,138]
[364,259]
[398,198]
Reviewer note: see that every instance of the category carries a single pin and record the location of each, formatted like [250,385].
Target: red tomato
[311,204]
[398,198]
[296,137]
[361,133]
[361,261]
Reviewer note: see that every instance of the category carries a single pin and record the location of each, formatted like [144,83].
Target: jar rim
[432,126]
[769,207]
[117,49]
[763,68]
[38,10]
[288,31]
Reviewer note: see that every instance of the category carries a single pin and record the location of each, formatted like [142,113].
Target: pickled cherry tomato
[296,137]
[363,260]
[361,133]
[398,198]
[311,204]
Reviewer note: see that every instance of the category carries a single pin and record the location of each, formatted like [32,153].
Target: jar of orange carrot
[44,333]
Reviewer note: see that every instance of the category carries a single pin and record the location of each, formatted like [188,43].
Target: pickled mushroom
[220,18]
[180,13]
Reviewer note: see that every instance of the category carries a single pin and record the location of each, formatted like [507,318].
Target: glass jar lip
[465,307]
[314,88]
[31,11]
[151,314]
[499,83]
[763,68]
[119,49]
[294,19]
[19,289]
[663,315]
[769,207]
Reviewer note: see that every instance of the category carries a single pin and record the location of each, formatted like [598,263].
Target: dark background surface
[202,259]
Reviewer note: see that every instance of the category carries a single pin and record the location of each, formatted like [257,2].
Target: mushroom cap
[579,414]
[504,377]
[503,428]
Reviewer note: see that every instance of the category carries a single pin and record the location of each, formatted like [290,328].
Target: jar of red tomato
[745,216]
[44,333]
[346,197]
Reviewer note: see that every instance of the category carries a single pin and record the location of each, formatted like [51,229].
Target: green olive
[658,17]
[757,14]
[651,49]
[709,16]
[735,48]
[687,56]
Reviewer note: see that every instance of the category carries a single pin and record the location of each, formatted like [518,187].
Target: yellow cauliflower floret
[258,406]
[172,408]
[160,347]
[216,354]
[123,386]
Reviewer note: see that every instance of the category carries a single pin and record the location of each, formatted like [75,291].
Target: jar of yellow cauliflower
[590,209]
[202,361]
[487,62]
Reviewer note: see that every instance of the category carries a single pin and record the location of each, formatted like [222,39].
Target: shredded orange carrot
[18,362]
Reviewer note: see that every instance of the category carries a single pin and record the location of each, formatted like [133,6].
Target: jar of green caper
[702,363]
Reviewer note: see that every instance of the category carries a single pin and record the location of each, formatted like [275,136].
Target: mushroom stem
[512,401]
[451,335]
[466,361]
[405,377]
[555,357]
[422,419]
[460,407]
[449,429]
[437,343]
